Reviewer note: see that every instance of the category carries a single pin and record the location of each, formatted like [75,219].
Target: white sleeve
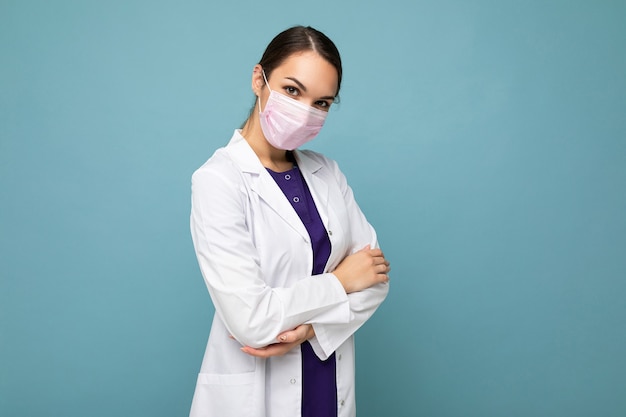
[253,312]
[363,304]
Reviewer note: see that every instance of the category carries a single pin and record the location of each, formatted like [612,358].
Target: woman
[291,264]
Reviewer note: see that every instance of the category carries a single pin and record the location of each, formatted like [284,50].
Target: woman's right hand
[362,270]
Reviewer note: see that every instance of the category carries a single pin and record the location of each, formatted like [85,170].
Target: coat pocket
[224,395]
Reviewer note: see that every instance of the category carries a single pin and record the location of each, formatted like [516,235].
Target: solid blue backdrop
[486,142]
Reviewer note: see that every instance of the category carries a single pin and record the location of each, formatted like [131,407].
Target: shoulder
[219,165]
[317,160]
[217,184]
[228,162]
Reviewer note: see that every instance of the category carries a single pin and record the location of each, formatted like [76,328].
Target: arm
[363,275]
[253,312]
[363,304]
[356,273]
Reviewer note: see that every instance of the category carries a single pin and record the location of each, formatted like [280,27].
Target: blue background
[485,140]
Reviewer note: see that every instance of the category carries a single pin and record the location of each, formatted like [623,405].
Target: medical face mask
[288,124]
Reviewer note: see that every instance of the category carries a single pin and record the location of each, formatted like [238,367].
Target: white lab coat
[256,258]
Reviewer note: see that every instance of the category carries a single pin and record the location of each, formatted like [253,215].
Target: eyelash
[294,91]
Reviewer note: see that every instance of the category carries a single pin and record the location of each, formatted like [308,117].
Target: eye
[292,91]
[323,104]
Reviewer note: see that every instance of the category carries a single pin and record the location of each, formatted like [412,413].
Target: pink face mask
[288,124]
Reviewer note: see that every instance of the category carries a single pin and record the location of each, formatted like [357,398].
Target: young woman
[292,265]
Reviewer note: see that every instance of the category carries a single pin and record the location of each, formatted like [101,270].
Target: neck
[270,157]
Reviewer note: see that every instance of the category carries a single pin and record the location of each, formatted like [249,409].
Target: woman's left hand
[286,341]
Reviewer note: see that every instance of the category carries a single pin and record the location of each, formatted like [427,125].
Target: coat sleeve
[253,312]
[363,304]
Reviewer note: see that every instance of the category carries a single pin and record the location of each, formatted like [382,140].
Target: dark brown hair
[300,39]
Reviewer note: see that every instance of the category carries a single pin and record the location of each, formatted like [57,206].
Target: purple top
[319,384]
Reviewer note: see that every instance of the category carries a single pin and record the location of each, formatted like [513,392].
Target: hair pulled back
[300,39]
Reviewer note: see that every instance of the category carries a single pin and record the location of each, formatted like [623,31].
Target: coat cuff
[317,347]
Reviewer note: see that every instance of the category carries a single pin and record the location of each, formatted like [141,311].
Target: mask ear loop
[268,87]
[265,78]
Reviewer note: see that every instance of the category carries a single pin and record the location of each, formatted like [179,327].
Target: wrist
[338,276]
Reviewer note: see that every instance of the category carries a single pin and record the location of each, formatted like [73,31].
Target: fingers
[276,349]
[379,266]
[286,341]
[382,268]
[378,256]
[362,269]
[299,334]
[287,337]
[379,260]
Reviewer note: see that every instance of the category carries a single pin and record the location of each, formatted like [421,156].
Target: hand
[362,270]
[286,341]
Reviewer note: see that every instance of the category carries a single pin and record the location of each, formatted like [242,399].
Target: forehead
[314,72]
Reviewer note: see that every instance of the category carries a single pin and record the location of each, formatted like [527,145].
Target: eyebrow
[303,88]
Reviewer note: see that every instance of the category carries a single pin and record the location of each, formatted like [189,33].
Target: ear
[258,82]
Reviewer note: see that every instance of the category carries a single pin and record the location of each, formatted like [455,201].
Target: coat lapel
[319,188]
[262,183]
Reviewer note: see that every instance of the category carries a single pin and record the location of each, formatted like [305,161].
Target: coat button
[330,232]
[342,403]
[292,381]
